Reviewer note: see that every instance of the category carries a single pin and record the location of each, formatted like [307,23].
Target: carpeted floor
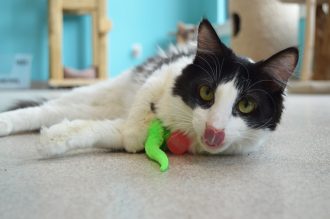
[288,178]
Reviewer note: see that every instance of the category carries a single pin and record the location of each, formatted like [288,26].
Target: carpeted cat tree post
[262,28]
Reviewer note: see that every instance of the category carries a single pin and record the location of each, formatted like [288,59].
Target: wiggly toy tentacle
[154,141]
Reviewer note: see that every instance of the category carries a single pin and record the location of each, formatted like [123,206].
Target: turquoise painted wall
[149,24]
[301,42]
[23,29]
[145,22]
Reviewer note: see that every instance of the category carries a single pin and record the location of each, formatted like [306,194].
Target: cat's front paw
[51,143]
[65,136]
[134,139]
[6,127]
[54,140]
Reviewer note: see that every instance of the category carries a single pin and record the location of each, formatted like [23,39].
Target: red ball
[178,143]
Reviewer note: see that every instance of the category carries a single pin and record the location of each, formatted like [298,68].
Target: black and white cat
[224,103]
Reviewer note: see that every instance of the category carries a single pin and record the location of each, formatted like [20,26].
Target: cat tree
[315,74]
[261,27]
[100,26]
[265,27]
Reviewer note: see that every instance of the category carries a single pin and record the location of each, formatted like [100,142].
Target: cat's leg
[71,135]
[33,118]
[106,100]
[27,119]
[136,127]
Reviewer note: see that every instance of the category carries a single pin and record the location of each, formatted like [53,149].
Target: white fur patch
[221,110]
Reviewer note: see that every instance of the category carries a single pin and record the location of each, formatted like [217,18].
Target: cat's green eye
[206,93]
[246,105]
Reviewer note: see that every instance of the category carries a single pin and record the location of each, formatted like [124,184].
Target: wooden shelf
[72,82]
[73,5]
[100,27]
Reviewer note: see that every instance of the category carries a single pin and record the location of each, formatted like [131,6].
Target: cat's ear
[280,67]
[208,41]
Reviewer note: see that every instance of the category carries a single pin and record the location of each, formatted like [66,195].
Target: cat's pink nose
[213,137]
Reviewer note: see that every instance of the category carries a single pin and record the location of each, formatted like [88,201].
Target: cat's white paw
[63,137]
[134,139]
[6,127]
[51,143]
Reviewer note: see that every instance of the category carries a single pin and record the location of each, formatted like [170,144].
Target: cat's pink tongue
[213,137]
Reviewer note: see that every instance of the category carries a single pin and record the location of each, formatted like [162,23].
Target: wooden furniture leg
[103,27]
[55,39]
[95,41]
[322,45]
[307,68]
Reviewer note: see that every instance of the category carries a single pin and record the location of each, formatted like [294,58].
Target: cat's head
[234,101]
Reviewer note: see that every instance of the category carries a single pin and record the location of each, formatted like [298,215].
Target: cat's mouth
[213,138]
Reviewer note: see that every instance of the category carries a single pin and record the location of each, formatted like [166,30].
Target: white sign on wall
[20,74]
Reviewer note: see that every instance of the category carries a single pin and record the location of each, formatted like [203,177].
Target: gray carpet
[287,178]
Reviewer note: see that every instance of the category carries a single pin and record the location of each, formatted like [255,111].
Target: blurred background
[64,43]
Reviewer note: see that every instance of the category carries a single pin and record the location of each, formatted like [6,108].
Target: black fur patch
[264,81]
[153,107]
[21,104]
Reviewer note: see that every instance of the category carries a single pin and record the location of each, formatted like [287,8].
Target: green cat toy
[177,142]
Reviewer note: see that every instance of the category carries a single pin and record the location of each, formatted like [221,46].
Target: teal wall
[301,42]
[23,29]
[148,23]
